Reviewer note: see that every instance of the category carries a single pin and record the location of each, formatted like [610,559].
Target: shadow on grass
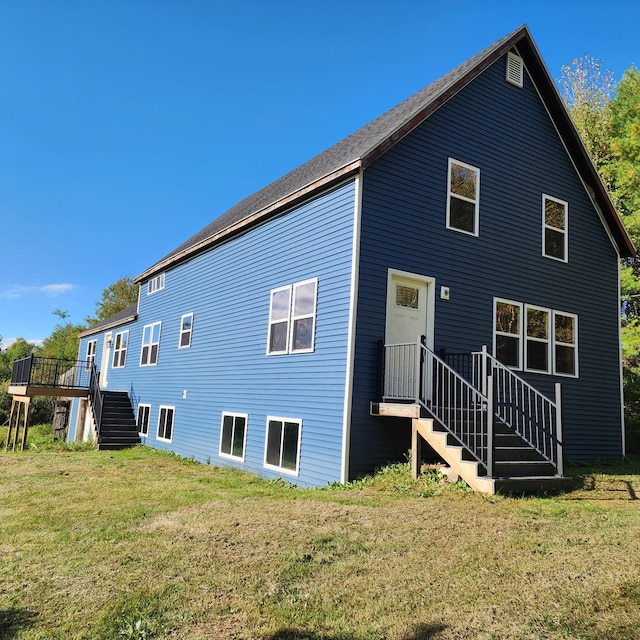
[608,480]
[419,632]
[13,621]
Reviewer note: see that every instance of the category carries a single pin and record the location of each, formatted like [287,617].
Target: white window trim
[564,231]
[173,422]
[496,333]
[528,338]
[230,456]
[291,318]
[148,406]
[574,345]
[272,322]
[150,345]
[290,472]
[552,338]
[156,283]
[476,202]
[183,331]
[91,354]
[117,351]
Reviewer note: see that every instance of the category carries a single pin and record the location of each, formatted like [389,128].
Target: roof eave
[108,325]
[582,159]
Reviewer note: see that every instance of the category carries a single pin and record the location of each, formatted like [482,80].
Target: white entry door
[106,355]
[410,303]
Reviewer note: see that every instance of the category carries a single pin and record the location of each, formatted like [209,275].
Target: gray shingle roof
[366,144]
[117,319]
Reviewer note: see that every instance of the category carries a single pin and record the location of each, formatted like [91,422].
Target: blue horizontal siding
[227,369]
[505,132]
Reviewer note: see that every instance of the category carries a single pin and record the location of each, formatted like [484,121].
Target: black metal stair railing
[96,397]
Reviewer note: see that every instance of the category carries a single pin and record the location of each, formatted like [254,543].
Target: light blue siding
[226,369]
[505,132]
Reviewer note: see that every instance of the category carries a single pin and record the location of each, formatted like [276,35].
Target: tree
[608,119]
[115,298]
[63,342]
[588,90]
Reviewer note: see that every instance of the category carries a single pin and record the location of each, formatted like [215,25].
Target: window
[282,449]
[463,197]
[186,326]
[554,228]
[150,344]
[549,337]
[565,338]
[120,349]
[507,335]
[143,419]
[232,435]
[292,316]
[155,284]
[537,339]
[92,347]
[165,423]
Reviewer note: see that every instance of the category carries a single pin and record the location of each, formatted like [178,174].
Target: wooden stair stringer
[452,454]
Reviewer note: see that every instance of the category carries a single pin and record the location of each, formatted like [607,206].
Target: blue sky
[128,125]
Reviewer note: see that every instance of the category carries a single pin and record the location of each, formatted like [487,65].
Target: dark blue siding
[505,132]
[227,369]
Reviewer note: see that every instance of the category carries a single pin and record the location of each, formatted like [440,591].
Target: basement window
[515,70]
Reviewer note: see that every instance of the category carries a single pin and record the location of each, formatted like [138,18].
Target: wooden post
[416,451]
[18,406]
[14,404]
[27,413]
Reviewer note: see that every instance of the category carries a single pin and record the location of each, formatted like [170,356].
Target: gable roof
[361,148]
[122,317]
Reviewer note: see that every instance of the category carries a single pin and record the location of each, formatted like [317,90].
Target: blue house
[447,274]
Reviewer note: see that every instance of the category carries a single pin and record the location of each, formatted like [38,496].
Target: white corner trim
[351,332]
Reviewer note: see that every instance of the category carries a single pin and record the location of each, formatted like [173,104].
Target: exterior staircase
[118,429]
[518,467]
[491,427]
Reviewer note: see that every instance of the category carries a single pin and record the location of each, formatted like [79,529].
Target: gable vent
[515,69]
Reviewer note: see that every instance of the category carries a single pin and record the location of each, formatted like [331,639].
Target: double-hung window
[292,316]
[282,450]
[120,349]
[92,347]
[232,435]
[463,197]
[565,340]
[554,228]
[165,423]
[150,344]
[537,338]
[143,419]
[507,333]
[186,327]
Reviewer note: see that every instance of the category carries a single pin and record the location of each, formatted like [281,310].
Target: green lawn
[139,544]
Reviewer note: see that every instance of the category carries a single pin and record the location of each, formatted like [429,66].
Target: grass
[140,544]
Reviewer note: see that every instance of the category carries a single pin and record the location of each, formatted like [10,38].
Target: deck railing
[54,373]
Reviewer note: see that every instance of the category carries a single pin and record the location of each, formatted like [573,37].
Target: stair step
[533,484]
[519,469]
[520,454]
